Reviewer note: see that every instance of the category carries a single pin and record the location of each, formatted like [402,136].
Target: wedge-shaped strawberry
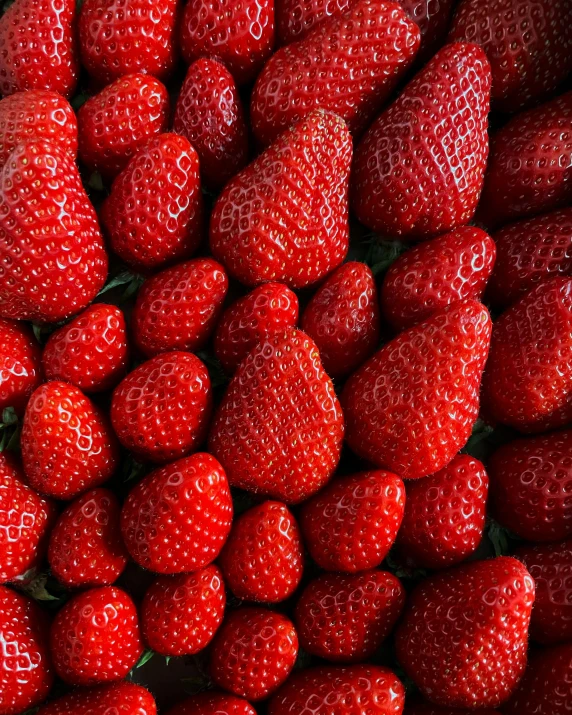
[213,704]
[125,698]
[285,217]
[20,365]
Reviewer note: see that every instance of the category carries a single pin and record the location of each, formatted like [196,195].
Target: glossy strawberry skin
[179,516]
[213,704]
[398,406]
[352,523]
[20,365]
[396,159]
[123,698]
[343,319]
[349,65]
[285,217]
[279,428]
[434,274]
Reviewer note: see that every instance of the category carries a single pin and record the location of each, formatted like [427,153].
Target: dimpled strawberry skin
[213,704]
[20,365]
[123,698]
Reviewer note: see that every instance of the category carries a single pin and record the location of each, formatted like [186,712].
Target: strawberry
[285,217]
[411,407]
[210,115]
[179,516]
[41,186]
[154,214]
[346,617]
[253,652]
[161,410]
[95,637]
[20,365]
[343,319]
[119,120]
[213,704]
[444,515]
[25,669]
[420,708]
[429,144]
[436,273]
[349,65]
[86,548]
[263,557]
[180,614]
[464,633]
[279,428]
[352,523]
[178,308]
[270,307]
[91,351]
[122,698]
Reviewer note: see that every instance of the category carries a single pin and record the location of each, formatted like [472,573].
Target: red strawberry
[20,365]
[429,144]
[263,558]
[351,524]
[67,444]
[346,618]
[253,652]
[37,47]
[436,273]
[123,698]
[343,319]
[91,351]
[464,634]
[86,548]
[178,308]
[180,614]
[270,307]
[25,669]
[95,637]
[349,65]
[154,214]
[285,217]
[411,407]
[178,517]
[161,410]
[40,186]
[213,704]
[209,114]
[279,428]
[444,515]
[119,120]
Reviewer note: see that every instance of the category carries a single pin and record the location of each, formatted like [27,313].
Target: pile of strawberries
[286,357]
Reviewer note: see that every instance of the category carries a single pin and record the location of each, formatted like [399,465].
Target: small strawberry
[122,698]
[213,704]
[179,516]
[263,557]
[20,365]
[253,652]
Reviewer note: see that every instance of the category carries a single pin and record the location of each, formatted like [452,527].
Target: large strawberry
[279,428]
[419,169]
[20,365]
[349,65]
[213,704]
[123,698]
[285,217]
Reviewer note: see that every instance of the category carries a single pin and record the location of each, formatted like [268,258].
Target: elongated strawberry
[285,217]
[213,704]
[125,698]
[20,365]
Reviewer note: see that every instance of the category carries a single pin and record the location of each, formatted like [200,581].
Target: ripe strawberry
[122,698]
[178,308]
[213,704]
[270,307]
[161,410]
[91,351]
[263,557]
[444,515]
[25,669]
[411,407]
[343,319]
[86,548]
[40,186]
[119,120]
[154,214]
[67,444]
[346,618]
[464,634]
[285,217]
[429,144]
[279,428]
[95,637]
[349,65]
[253,652]
[209,114]
[180,614]
[352,523]
[178,517]
[20,365]
[434,274]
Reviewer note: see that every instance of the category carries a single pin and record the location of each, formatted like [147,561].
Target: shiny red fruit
[20,365]
[210,703]
[123,698]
